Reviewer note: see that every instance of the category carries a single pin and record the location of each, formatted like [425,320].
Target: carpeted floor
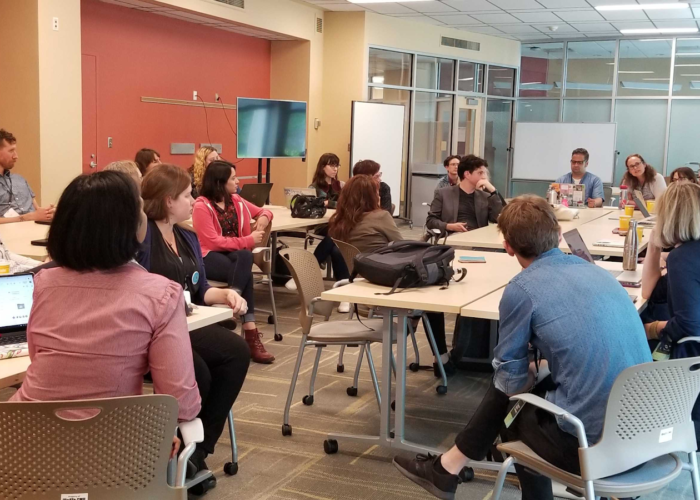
[296,467]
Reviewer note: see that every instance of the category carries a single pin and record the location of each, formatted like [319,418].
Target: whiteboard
[377,134]
[542,151]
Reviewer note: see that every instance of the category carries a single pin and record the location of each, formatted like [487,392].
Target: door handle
[93,164]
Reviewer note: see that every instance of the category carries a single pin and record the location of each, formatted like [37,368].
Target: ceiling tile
[681,23]
[513,29]
[496,18]
[563,4]
[486,30]
[471,5]
[528,38]
[517,4]
[389,8]
[598,3]
[461,19]
[537,17]
[429,7]
[696,10]
[341,7]
[567,36]
[624,15]
[670,14]
[579,15]
[426,19]
[562,28]
[590,27]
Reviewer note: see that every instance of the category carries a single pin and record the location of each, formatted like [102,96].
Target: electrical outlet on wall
[54,24]
[194,95]
[216,97]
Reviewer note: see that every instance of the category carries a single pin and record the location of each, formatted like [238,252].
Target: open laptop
[16,293]
[648,220]
[578,248]
[257,194]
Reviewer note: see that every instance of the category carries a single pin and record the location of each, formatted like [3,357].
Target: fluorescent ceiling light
[687,54]
[649,6]
[377,79]
[655,40]
[658,31]
[636,72]
[691,74]
[687,65]
[388,1]
[466,79]
[656,79]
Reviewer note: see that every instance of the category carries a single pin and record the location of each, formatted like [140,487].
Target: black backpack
[407,264]
[307,207]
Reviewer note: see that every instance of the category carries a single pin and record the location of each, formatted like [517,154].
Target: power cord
[206,118]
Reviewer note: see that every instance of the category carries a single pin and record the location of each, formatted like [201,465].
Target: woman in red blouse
[228,228]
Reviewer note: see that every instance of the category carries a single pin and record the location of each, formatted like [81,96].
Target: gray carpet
[296,467]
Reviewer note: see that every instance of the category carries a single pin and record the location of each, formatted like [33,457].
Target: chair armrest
[192,433]
[688,339]
[266,251]
[555,410]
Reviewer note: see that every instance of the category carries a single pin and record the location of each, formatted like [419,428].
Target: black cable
[206,118]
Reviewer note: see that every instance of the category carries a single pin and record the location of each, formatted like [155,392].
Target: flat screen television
[270,128]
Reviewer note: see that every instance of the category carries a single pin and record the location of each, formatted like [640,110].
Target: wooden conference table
[476,295]
[12,370]
[594,224]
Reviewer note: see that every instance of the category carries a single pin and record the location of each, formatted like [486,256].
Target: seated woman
[146,159]
[128,167]
[221,358]
[202,158]
[372,168]
[359,220]
[684,173]
[100,322]
[677,227]
[328,187]
[228,228]
[642,177]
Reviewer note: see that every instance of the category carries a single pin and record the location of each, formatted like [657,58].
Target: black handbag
[307,207]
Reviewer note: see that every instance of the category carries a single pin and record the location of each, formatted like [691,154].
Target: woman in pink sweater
[228,228]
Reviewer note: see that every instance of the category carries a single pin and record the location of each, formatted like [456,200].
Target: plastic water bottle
[629,255]
[623,197]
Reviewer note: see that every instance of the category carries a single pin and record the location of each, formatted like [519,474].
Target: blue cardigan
[144,258]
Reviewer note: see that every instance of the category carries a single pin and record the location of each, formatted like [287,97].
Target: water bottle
[623,197]
[552,197]
[629,255]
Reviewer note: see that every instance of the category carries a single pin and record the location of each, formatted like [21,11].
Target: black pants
[534,427]
[236,269]
[327,248]
[221,360]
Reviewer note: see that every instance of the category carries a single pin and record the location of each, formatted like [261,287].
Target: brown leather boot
[257,350]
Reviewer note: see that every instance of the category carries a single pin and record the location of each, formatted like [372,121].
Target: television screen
[271,129]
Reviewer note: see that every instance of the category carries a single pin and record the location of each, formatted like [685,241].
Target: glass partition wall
[650,87]
[453,107]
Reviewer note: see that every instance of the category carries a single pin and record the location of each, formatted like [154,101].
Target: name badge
[11,213]
[195,277]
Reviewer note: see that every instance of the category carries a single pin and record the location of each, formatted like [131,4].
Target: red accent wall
[143,54]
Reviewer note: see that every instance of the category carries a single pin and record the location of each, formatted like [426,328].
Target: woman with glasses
[372,168]
[642,177]
[684,173]
[325,180]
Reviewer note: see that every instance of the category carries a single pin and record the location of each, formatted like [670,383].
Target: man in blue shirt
[578,175]
[585,347]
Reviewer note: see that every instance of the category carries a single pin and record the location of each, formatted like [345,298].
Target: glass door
[467,126]
[499,113]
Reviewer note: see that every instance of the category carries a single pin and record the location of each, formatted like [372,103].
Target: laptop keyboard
[13,339]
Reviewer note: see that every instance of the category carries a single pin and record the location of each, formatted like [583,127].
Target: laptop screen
[16,293]
[577,245]
[641,204]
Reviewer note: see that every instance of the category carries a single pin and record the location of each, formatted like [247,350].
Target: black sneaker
[421,470]
[449,367]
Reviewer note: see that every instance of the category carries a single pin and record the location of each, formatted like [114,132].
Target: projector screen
[271,129]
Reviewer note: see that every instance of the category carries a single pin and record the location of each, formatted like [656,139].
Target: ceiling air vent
[234,3]
[319,25]
[459,44]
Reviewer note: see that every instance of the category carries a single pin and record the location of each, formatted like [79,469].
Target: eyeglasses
[336,167]
[378,175]
[636,165]
[574,162]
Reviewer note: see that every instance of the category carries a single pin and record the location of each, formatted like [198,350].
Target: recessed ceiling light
[658,31]
[388,1]
[636,72]
[649,6]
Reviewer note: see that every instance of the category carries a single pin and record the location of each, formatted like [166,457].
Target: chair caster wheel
[286,430]
[393,406]
[466,474]
[307,400]
[441,389]
[231,468]
[202,488]
[392,435]
[330,446]
[278,337]
[270,320]
[340,368]
[414,367]
[352,391]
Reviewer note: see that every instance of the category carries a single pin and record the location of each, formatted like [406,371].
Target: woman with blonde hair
[128,167]
[202,158]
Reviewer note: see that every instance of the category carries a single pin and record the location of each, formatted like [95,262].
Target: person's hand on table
[41,214]
[591,203]
[236,302]
[457,227]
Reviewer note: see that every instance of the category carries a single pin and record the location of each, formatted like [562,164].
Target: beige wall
[404,34]
[19,84]
[345,74]
[60,96]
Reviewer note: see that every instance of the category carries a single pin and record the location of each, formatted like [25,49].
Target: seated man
[451,164]
[578,175]
[585,347]
[471,204]
[17,202]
